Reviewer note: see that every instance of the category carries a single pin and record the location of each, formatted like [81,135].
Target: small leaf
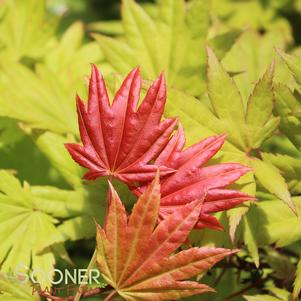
[28,90]
[290,168]
[118,53]
[252,54]
[108,27]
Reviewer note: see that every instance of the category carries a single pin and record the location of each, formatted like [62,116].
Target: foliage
[233,74]
[173,41]
[138,272]
[120,139]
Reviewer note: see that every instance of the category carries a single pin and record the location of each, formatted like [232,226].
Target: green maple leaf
[23,226]
[248,124]
[30,229]
[173,41]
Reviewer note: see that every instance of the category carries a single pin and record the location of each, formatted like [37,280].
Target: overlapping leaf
[193,180]
[120,139]
[138,272]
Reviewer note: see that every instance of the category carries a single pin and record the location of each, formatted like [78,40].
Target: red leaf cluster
[129,142]
[191,181]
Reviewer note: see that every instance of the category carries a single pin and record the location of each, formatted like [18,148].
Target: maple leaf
[120,139]
[134,255]
[193,181]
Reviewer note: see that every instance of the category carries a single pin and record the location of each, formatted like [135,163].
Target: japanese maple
[120,138]
[134,255]
[193,181]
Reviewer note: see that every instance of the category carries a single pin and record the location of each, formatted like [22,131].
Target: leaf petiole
[90,266]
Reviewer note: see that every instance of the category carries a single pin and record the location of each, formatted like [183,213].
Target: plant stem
[82,286]
[110,296]
[94,257]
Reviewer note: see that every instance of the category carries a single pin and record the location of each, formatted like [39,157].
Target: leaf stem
[94,257]
[110,296]
[82,286]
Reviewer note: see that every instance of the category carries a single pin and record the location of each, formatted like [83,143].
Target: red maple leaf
[120,139]
[134,254]
[193,181]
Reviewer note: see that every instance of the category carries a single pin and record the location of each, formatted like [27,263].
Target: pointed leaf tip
[94,70]
[112,189]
